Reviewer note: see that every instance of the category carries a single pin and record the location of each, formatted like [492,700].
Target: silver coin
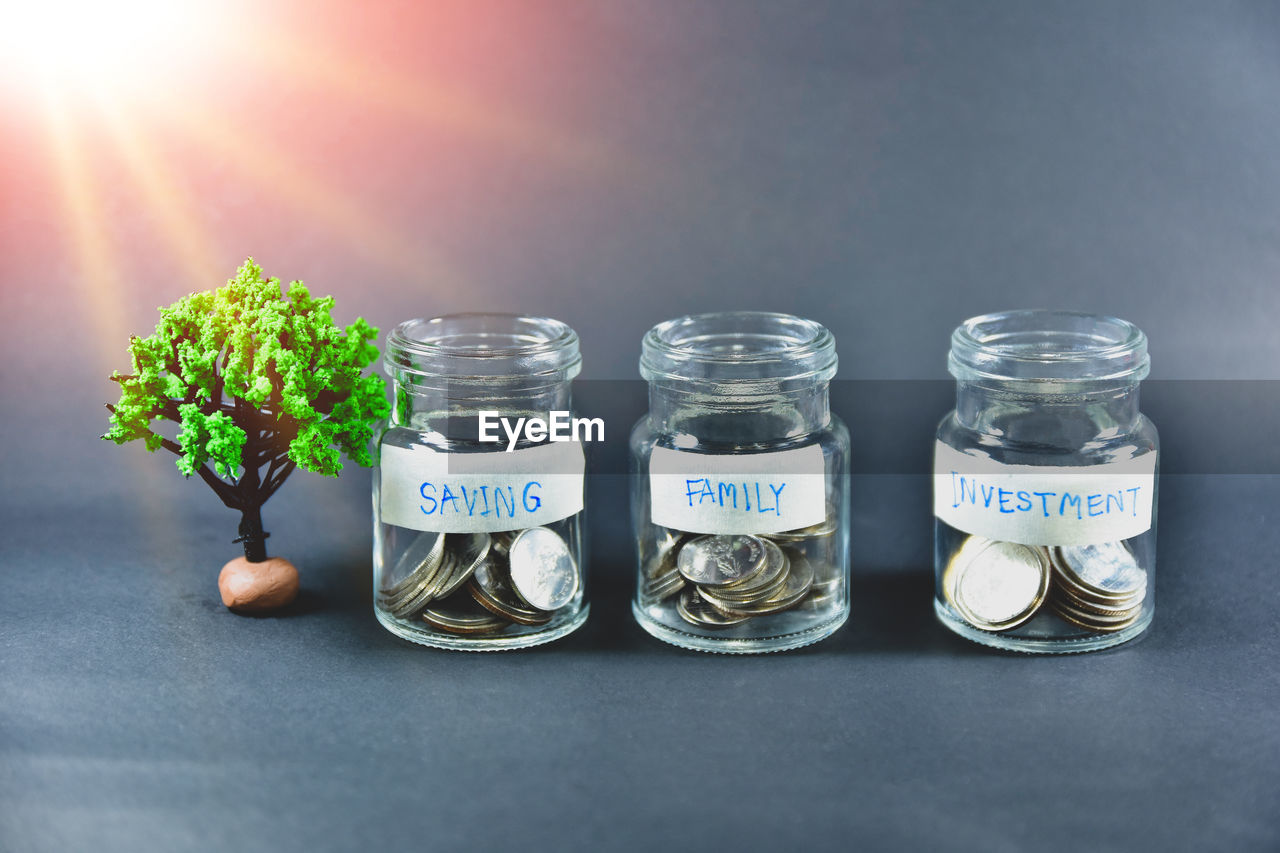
[823,528]
[420,558]
[753,587]
[501,541]
[415,599]
[661,557]
[798,584]
[543,570]
[1001,585]
[756,595]
[697,611]
[399,599]
[491,587]
[662,587]
[1088,614]
[717,560]
[1109,568]
[1065,587]
[458,622]
[1091,623]
[472,550]
[960,560]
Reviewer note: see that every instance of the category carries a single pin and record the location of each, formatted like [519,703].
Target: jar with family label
[478,518]
[1045,484]
[740,484]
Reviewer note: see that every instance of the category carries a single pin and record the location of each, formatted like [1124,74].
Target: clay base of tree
[258,587]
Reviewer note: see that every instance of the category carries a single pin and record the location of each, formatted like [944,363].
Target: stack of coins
[997,586]
[725,580]
[478,583]
[1098,587]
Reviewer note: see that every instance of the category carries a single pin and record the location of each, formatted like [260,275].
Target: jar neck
[739,413]
[1070,418]
[451,406]
[449,369]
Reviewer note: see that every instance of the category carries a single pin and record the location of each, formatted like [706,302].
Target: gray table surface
[888,169]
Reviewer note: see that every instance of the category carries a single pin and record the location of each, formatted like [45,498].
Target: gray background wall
[888,169]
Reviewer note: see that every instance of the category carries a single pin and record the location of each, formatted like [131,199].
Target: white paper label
[742,493]
[425,489]
[1044,505]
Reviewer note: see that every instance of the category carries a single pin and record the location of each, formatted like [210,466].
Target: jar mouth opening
[1045,345]
[483,344]
[738,345]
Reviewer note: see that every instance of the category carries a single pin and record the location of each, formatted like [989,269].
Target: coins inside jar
[466,583]
[719,580]
[998,586]
[1099,587]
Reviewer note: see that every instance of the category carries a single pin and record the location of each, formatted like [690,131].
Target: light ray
[97,275]
[172,212]
[96,281]
[291,185]
[434,104]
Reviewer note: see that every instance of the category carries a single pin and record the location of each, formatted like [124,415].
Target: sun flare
[115,44]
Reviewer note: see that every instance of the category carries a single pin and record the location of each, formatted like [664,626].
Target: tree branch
[272,485]
[225,491]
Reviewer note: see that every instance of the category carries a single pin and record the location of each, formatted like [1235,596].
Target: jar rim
[483,344]
[1048,345]
[738,345]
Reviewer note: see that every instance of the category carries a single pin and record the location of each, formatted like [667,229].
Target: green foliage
[206,437]
[254,376]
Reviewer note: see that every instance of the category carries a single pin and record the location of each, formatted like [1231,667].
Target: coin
[472,550]
[695,610]
[998,585]
[662,587]
[422,580]
[459,622]
[1109,568]
[421,557]
[814,531]
[491,587]
[774,566]
[665,549]
[501,541]
[754,595]
[543,570]
[1091,623]
[415,599]
[721,559]
[798,583]
[1088,614]
[964,555]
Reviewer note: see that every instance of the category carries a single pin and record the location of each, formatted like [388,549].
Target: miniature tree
[259,383]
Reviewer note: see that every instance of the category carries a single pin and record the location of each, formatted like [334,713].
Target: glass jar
[740,480]
[478,544]
[1045,484]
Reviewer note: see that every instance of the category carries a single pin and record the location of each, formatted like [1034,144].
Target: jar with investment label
[1045,484]
[478,544]
[740,482]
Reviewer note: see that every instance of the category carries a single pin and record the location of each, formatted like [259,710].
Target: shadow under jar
[1045,481]
[477,548]
[740,481]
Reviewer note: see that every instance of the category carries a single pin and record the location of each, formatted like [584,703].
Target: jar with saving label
[740,484]
[1045,484]
[478,516]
